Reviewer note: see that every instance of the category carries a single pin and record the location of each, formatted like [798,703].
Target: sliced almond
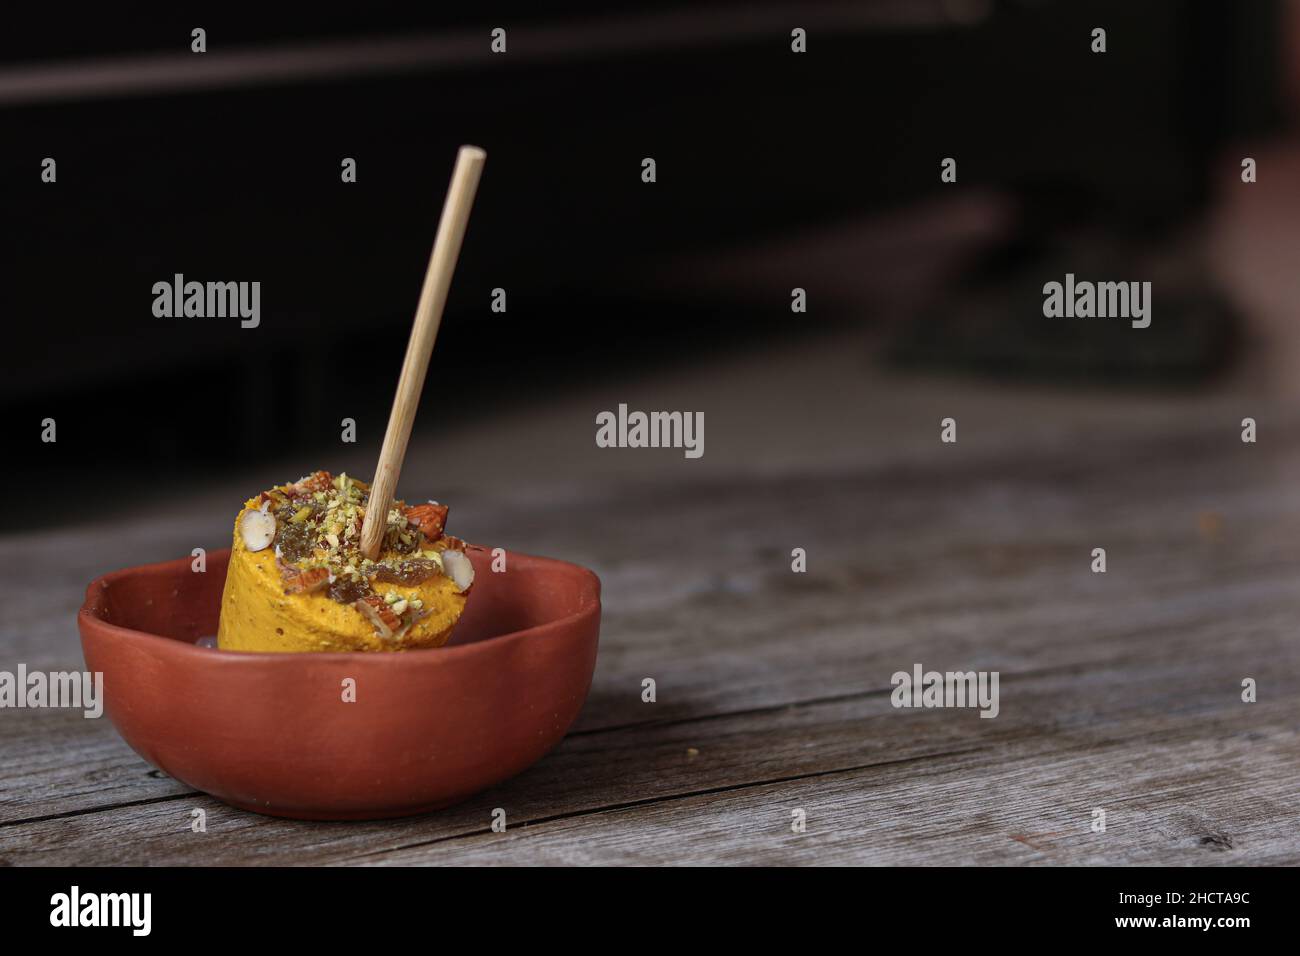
[379,614]
[303,581]
[316,481]
[458,567]
[257,528]
[430,518]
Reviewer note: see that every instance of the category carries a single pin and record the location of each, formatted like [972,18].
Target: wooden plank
[1166,803]
[1035,628]
[1142,703]
[998,541]
[57,762]
[978,559]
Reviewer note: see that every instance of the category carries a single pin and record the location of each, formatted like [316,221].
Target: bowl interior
[174,601]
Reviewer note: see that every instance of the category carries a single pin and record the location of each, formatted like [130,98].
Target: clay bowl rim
[87,618]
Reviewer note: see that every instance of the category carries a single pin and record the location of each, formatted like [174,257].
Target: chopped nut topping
[386,621]
[315,524]
[430,518]
[318,481]
[303,580]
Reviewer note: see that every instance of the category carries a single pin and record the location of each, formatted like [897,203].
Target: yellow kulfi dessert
[297,580]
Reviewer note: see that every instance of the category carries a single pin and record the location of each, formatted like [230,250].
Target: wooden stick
[428,316]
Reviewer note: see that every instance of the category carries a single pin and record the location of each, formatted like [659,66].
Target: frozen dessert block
[297,580]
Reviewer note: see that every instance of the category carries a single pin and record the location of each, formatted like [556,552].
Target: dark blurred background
[775,171]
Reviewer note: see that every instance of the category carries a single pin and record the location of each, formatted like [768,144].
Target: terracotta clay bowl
[272,732]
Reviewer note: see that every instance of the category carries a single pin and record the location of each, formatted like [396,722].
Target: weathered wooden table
[1120,691]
